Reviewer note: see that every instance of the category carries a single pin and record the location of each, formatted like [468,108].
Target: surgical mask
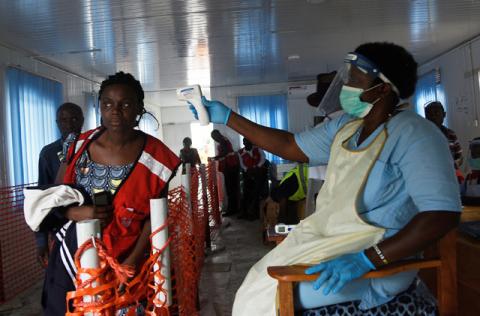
[474,163]
[351,103]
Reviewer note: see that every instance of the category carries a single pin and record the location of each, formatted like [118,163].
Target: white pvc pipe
[85,231]
[186,179]
[203,177]
[158,217]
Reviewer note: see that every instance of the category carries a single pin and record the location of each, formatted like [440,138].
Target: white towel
[38,203]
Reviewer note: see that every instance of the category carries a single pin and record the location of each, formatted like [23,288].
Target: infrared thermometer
[193,94]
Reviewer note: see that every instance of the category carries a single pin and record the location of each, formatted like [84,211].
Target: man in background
[292,189]
[254,175]
[435,113]
[229,166]
[69,120]
[188,154]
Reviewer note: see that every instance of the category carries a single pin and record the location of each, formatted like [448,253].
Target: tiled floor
[25,304]
[240,246]
[225,270]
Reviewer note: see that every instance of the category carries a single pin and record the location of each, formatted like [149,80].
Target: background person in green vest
[292,188]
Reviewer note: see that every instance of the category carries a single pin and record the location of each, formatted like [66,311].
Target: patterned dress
[95,177]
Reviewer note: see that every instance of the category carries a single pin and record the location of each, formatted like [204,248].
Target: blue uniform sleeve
[429,174]
[316,143]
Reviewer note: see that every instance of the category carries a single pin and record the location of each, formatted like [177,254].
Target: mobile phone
[101,198]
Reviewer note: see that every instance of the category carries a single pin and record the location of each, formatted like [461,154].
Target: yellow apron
[334,229]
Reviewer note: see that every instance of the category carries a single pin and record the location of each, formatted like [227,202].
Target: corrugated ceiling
[226,42]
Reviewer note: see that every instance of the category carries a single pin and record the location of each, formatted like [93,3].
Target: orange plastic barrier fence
[199,217]
[187,248]
[184,254]
[115,291]
[19,269]
[189,230]
[214,216]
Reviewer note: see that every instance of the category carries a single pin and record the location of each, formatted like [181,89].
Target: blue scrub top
[414,173]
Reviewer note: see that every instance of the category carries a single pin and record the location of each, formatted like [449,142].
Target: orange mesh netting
[199,218]
[19,268]
[110,285]
[214,217]
[184,256]
[186,241]
[187,223]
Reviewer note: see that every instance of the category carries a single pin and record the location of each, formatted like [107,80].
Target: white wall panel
[459,78]
[300,113]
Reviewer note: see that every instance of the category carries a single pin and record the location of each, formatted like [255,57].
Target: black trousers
[58,276]
[254,187]
[232,184]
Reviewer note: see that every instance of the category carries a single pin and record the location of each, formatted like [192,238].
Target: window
[149,125]
[92,119]
[202,141]
[266,110]
[32,102]
[428,89]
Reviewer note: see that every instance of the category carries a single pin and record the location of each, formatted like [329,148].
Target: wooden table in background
[470,213]
[468,261]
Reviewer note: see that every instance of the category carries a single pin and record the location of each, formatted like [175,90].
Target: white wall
[74,89]
[459,77]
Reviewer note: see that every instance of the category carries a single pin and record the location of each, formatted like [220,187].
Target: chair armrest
[296,273]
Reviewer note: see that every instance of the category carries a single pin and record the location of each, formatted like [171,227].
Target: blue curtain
[427,90]
[266,110]
[32,102]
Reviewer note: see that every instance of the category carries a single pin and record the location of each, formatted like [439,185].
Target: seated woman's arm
[422,231]
[276,141]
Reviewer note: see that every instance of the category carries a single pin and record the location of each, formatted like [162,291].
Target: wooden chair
[442,258]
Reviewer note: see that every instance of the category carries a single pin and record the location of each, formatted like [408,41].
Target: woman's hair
[395,63]
[126,79]
[129,80]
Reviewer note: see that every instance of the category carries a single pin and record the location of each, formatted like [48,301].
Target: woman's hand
[132,261]
[42,256]
[84,212]
[334,274]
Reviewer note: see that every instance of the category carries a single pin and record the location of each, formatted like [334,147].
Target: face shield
[357,72]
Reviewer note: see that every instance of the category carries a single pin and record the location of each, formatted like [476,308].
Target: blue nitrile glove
[334,274]
[219,113]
